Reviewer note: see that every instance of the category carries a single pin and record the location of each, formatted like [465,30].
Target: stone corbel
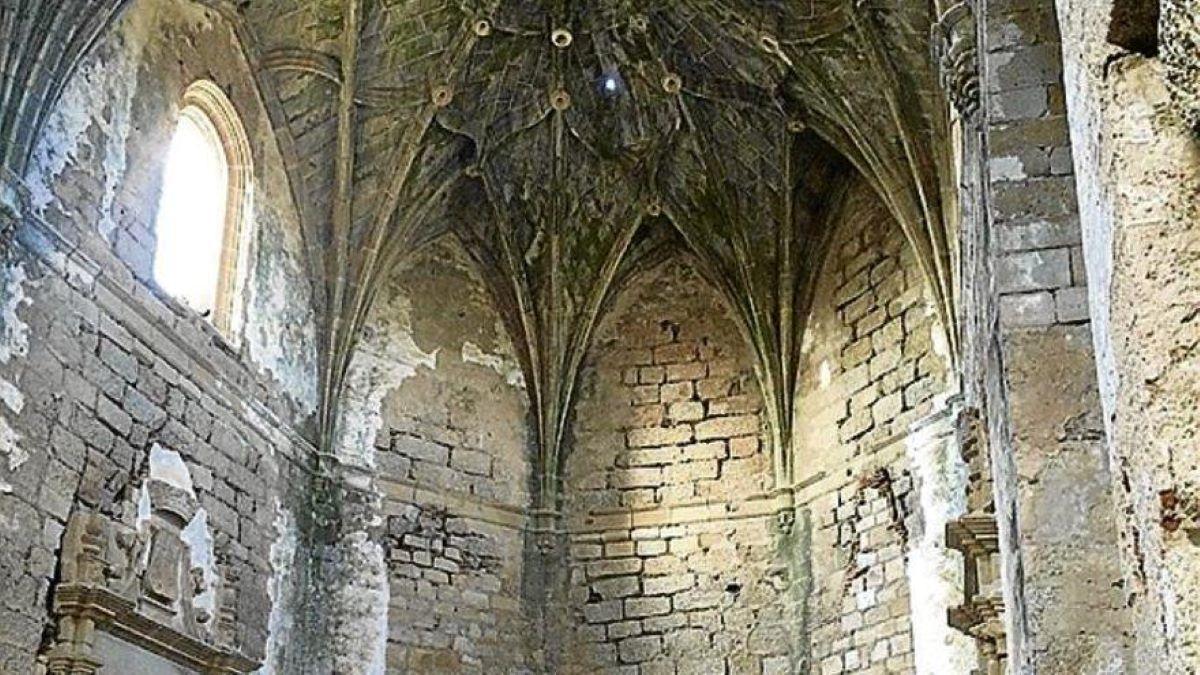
[955,51]
[543,526]
[785,509]
[982,613]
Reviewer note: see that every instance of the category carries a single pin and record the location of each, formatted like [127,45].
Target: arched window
[205,203]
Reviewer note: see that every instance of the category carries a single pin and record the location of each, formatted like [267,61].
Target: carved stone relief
[135,582]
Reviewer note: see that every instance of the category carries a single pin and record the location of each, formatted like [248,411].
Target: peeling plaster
[14,341]
[361,631]
[386,357]
[65,137]
[199,540]
[934,572]
[278,317]
[506,367]
[14,333]
[168,467]
[9,438]
[283,553]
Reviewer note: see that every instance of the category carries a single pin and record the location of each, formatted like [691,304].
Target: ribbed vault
[558,139]
[546,133]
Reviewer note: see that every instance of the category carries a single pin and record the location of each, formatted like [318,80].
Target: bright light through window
[191,216]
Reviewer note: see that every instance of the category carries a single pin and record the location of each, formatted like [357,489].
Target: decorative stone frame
[206,104]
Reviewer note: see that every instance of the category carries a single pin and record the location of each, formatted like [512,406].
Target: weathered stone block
[647,606]
[638,649]
[617,587]
[727,427]
[642,438]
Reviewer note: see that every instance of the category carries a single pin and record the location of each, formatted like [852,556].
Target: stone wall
[100,372]
[672,563]
[682,557]
[1062,583]
[1138,170]
[436,416]
[875,363]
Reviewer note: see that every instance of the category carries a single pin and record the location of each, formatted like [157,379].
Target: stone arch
[206,106]
[105,144]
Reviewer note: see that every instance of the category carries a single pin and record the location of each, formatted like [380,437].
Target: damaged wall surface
[123,410]
[692,337]
[437,412]
[673,561]
[1139,186]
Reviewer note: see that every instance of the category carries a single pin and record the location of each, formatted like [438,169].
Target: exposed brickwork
[1039,272]
[108,373]
[453,607]
[105,368]
[376,487]
[1033,391]
[887,364]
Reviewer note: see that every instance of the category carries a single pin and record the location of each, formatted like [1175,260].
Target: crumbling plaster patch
[84,127]
[359,641]
[390,353]
[502,364]
[935,574]
[104,151]
[280,624]
[280,324]
[386,356]
[14,341]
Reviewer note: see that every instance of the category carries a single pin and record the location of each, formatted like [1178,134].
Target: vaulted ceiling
[563,141]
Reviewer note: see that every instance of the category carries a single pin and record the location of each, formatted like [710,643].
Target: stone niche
[133,600]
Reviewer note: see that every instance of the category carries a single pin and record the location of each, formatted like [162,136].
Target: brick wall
[98,369]
[1041,394]
[102,372]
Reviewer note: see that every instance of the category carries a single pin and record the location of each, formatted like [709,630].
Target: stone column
[935,573]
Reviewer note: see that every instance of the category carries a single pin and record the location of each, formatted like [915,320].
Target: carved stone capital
[955,50]
[785,520]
